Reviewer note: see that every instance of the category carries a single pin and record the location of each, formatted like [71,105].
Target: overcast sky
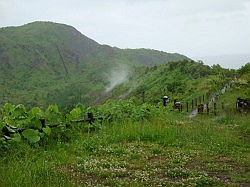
[196,28]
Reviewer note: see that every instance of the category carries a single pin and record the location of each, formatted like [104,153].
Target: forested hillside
[44,63]
[181,80]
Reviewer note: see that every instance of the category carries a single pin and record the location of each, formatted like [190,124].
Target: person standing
[165,100]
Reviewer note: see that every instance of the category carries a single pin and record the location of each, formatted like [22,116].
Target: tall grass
[219,134]
[29,165]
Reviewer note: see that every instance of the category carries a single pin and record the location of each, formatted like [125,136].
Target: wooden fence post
[207,108]
[192,104]
[90,117]
[187,105]
[143,97]
[215,109]
[223,106]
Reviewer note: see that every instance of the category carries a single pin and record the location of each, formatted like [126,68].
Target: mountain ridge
[42,63]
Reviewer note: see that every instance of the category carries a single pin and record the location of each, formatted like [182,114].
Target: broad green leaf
[9,121]
[41,134]
[35,122]
[13,127]
[19,111]
[52,114]
[16,137]
[47,130]
[7,137]
[31,135]
[1,125]
[10,129]
[80,106]
[52,109]
[74,114]
[36,112]
[8,108]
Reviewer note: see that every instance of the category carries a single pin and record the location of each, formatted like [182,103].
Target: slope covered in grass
[44,63]
[182,80]
[137,145]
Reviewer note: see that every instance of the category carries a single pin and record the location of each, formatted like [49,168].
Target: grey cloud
[190,27]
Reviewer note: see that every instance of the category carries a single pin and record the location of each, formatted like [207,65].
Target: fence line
[10,130]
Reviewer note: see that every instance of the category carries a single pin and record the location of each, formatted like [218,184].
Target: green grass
[171,150]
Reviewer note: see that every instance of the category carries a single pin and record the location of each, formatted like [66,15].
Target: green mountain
[44,63]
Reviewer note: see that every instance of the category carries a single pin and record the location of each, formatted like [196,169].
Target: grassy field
[170,150]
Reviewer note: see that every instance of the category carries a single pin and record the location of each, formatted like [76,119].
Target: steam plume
[116,77]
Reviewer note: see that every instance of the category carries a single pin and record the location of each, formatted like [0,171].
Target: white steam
[124,95]
[116,77]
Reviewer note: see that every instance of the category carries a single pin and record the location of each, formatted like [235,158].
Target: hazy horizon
[236,61]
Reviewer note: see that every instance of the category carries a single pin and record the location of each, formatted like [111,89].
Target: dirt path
[213,99]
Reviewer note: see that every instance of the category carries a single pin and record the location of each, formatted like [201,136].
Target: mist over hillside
[44,63]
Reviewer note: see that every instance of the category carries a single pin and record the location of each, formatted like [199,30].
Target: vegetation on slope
[133,145]
[44,63]
[182,80]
